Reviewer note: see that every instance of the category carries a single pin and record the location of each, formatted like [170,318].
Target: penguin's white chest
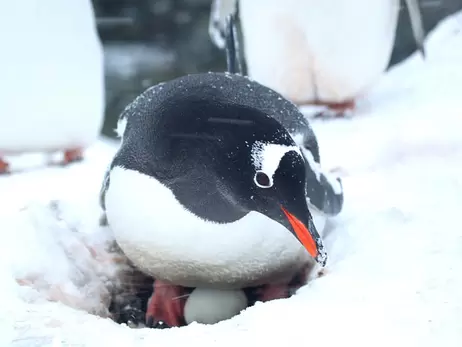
[167,241]
[52,76]
[313,50]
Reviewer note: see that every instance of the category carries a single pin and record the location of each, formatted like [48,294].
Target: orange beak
[303,234]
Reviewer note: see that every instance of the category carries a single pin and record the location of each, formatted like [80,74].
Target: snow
[393,278]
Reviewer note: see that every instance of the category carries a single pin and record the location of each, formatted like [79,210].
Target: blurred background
[148,41]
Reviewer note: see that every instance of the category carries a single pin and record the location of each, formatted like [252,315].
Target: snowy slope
[395,252]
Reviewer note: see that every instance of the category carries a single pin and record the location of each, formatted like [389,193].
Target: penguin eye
[262,180]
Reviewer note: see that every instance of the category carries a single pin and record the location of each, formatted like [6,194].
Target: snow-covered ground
[394,276]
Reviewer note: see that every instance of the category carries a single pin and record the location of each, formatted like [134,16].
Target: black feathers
[233,60]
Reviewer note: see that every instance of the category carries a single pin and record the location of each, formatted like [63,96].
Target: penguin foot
[4,167]
[272,292]
[276,291]
[335,109]
[72,156]
[166,306]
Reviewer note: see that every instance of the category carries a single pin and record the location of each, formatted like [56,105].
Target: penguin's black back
[154,116]
[229,89]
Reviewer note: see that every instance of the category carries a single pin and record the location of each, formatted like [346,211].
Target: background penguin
[52,80]
[214,187]
[314,52]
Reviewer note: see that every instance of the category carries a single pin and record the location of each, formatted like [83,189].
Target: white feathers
[169,242]
[316,167]
[267,156]
[311,50]
[121,125]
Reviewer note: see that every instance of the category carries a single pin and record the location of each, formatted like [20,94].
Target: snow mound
[60,259]
[393,278]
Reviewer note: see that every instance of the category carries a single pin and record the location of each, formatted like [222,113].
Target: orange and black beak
[308,236]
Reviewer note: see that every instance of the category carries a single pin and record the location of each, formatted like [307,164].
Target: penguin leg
[336,109]
[275,291]
[72,155]
[270,292]
[166,306]
[4,167]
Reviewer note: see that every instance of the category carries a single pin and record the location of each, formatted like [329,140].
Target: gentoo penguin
[325,53]
[214,188]
[52,80]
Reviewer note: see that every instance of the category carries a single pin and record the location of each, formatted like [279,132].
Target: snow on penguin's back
[52,85]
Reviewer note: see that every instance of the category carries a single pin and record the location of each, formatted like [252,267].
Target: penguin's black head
[226,160]
[278,191]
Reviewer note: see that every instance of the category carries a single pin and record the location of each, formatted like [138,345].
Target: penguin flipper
[332,203]
[415,16]
[102,198]
[233,59]
[323,190]
[220,10]
[102,192]
[120,130]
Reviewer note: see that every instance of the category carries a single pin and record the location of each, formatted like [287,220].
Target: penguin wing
[220,10]
[104,187]
[418,31]
[323,190]
[120,130]
[123,124]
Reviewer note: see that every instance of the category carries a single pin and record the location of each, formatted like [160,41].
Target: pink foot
[72,155]
[273,291]
[282,290]
[337,109]
[166,306]
[4,167]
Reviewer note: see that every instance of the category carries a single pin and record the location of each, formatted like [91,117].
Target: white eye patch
[266,158]
[121,125]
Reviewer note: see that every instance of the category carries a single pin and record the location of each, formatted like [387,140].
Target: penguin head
[223,160]
[268,174]
[278,191]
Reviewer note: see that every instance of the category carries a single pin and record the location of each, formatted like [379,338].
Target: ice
[394,272]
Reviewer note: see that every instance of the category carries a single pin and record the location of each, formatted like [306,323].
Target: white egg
[210,306]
